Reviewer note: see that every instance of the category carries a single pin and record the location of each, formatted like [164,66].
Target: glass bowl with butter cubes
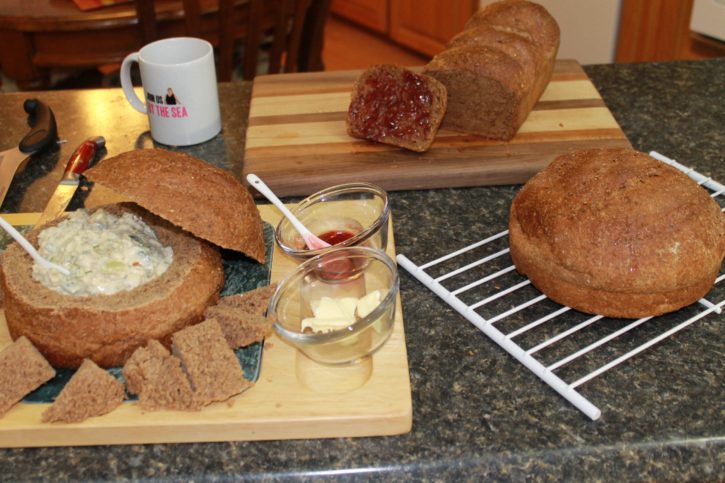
[346,215]
[338,307]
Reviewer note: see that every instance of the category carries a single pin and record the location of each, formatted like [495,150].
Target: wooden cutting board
[297,141]
[294,398]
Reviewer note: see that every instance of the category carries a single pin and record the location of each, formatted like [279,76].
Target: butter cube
[368,303]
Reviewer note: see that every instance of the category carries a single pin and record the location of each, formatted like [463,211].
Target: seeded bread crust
[521,17]
[22,370]
[190,193]
[108,328]
[497,68]
[617,233]
[386,106]
[520,48]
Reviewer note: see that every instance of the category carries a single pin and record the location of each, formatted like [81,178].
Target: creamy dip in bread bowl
[193,207]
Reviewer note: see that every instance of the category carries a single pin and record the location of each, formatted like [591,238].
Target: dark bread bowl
[108,328]
[193,207]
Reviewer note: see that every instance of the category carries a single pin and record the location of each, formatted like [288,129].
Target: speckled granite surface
[477,414]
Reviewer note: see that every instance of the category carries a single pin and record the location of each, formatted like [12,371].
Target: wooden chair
[290,32]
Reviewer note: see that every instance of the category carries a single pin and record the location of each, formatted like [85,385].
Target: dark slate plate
[241,274]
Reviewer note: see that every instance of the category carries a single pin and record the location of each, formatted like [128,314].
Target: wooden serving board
[294,398]
[298,144]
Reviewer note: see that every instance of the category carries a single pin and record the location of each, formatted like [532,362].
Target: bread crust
[197,196]
[108,328]
[521,17]
[617,233]
[524,51]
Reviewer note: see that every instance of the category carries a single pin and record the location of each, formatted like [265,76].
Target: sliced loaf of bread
[497,68]
[485,86]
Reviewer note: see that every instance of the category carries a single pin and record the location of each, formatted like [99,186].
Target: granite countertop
[477,413]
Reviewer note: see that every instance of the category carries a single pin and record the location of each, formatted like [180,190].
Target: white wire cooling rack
[481,283]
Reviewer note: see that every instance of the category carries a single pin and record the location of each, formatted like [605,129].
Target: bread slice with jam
[396,106]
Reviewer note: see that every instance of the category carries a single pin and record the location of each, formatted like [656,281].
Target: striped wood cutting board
[297,140]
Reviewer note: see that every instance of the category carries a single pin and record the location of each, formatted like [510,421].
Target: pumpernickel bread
[617,233]
[242,316]
[108,328]
[190,193]
[158,379]
[211,365]
[396,106]
[22,370]
[497,68]
[90,392]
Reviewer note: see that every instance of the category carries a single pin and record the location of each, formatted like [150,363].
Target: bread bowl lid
[201,198]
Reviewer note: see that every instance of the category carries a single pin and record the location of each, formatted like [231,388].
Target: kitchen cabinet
[421,25]
[427,25]
[656,30]
[604,32]
[372,14]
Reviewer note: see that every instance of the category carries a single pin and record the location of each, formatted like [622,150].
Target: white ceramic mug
[179,83]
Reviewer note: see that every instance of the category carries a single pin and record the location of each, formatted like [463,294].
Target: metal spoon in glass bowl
[312,241]
[28,247]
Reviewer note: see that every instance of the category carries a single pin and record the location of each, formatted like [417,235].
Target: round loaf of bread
[108,328]
[617,233]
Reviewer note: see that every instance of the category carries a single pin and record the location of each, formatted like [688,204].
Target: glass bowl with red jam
[338,307]
[346,215]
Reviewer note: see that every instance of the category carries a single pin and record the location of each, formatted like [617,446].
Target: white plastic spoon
[312,241]
[30,248]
